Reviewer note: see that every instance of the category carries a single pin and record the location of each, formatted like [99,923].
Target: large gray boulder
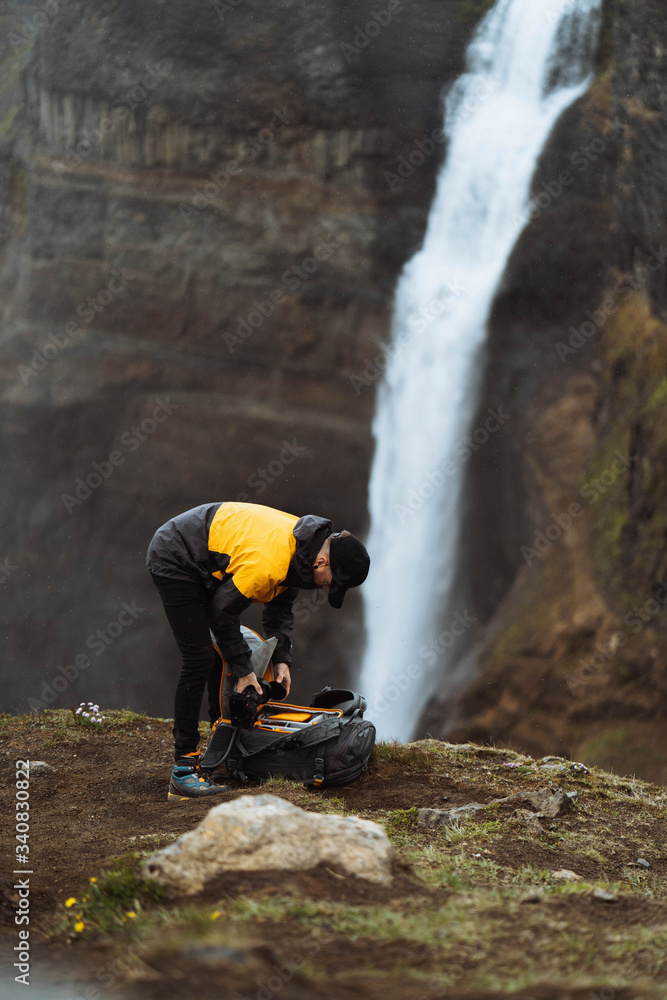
[264,832]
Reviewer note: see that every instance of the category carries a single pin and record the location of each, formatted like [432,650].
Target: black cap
[349,563]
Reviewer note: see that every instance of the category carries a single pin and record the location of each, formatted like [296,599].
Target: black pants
[186,606]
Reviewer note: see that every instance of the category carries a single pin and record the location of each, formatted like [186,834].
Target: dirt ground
[106,795]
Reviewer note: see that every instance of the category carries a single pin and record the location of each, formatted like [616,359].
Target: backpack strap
[318,734]
[237,771]
[215,762]
[318,773]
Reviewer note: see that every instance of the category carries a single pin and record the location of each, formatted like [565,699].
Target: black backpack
[327,743]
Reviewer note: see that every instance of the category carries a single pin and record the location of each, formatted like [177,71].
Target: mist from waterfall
[526,63]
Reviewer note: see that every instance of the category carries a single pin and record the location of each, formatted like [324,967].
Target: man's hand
[248,681]
[282,674]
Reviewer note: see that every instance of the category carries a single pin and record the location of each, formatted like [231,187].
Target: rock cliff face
[575,654]
[201,248]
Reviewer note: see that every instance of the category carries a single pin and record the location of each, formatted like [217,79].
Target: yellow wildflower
[71,901]
[215,914]
[131,914]
[93,879]
[79,926]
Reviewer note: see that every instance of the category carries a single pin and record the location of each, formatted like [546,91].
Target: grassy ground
[475,909]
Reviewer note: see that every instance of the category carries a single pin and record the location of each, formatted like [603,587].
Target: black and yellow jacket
[244,553]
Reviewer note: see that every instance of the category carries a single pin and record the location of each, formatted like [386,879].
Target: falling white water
[526,63]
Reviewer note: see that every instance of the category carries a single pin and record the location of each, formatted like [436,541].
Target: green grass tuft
[116,898]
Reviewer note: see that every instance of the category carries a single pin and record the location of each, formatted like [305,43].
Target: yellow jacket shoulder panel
[260,544]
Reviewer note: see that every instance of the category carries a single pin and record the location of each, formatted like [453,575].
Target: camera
[243,706]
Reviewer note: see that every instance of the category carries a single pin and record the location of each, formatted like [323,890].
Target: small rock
[445,798]
[559,765]
[553,768]
[643,862]
[431,819]
[549,802]
[533,897]
[565,875]
[265,833]
[604,896]
[529,819]
[40,765]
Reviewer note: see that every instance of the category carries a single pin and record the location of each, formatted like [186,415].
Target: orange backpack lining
[293,713]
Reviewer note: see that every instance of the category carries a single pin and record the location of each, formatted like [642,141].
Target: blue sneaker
[187,782]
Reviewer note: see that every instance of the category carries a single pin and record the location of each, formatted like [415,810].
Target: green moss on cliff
[658,397]
[619,749]
[605,52]
[629,516]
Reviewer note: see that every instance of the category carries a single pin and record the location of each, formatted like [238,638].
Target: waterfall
[525,64]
